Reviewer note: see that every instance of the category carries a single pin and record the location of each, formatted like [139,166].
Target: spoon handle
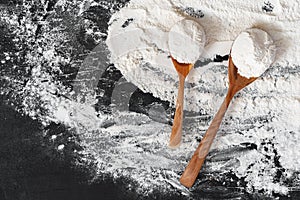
[192,170]
[175,138]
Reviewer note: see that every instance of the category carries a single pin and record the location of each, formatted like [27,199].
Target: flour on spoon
[253,52]
[186,41]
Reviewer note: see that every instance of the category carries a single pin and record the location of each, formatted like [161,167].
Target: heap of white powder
[253,51]
[186,41]
[138,42]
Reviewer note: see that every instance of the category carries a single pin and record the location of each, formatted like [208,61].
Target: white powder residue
[263,114]
[186,41]
[253,52]
[259,140]
[60,147]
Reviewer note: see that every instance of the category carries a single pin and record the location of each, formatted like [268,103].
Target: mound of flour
[186,41]
[253,51]
[138,41]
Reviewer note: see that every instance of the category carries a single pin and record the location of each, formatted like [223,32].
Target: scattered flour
[259,140]
[253,52]
[263,113]
[60,147]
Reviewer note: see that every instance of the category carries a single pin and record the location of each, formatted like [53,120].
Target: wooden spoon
[192,37]
[182,70]
[236,83]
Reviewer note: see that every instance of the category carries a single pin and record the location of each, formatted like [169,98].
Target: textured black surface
[30,169]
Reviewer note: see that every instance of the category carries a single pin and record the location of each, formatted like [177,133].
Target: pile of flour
[263,114]
[138,37]
[186,41]
[253,51]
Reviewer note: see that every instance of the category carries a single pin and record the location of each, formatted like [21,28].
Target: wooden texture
[176,135]
[236,83]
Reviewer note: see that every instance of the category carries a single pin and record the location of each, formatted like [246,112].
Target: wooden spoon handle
[175,138]
[192,170]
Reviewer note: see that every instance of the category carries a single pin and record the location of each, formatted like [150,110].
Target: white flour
[145,55]
[186,41]
[263,113]
[259,140]
[253,51]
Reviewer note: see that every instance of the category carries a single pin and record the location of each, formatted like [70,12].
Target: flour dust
[58,56]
